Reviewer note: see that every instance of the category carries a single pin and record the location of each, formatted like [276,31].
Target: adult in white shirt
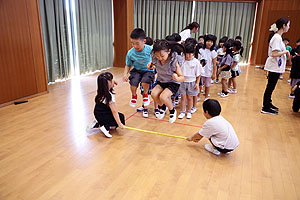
[276,62]
[188,30]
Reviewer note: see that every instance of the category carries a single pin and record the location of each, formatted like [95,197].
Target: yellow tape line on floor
[156,133]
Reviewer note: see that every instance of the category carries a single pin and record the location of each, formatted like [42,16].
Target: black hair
[138,33]
[166,46]
[237,45]
[170,38]
[201,36]
[222,40]
[212,106]
[103,92]
[149,41]
[192,41]
[298,41]
[191,26]
[286,39]
[279,24]
[298,49]
[212,38]
[228,46]
[189,48]
[238,37]
[177,37]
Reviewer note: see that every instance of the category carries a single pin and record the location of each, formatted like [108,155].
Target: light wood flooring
[46,154]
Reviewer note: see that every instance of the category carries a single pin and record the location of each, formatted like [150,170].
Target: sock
[156,110]
[163,107]
[145,110]
[172,111]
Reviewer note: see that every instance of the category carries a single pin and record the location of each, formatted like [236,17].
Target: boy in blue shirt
[137,58]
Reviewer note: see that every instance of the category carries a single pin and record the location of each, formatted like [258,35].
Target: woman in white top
[276,61]
[188,30]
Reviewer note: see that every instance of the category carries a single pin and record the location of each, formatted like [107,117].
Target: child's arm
[294,88]
[126,73]
[234,64]
[150,65]
[197,82]
[115,113]
[195,138]
[214,61]
[178,76]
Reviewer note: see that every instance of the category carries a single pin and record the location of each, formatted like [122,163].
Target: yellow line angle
[156,133]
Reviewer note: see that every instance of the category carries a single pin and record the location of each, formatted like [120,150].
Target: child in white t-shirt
[218,130]
[236,47]
[210,55]
[191,69]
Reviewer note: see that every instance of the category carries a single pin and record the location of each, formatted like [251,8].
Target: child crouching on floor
[218,130]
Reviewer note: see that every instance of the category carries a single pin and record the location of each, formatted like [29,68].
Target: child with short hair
[218,130]
[220,54]
[236,47]
[210,56]
[191,70]
[105,111]
[138,57]
[169,75]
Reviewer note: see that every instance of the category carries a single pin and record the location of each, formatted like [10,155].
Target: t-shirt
[113,99]
[220,132]
[220,52]
[191,69]
[166,70]
[295,71]
[226,60]
[236,58]
[185,34]
[139,59]
[208,55]
[276,64]
[289,48]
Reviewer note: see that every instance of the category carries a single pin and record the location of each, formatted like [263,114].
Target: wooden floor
[46,154]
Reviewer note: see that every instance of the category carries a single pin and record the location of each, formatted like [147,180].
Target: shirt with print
[191,69]
[139,59]
[208,55]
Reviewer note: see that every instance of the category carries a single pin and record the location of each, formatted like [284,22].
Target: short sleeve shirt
[166,70]
[226,60]
[191,69]
[139,59]
[185,34]
[208,55]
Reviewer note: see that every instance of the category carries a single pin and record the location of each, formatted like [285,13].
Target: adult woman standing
[276,62]
[188,30]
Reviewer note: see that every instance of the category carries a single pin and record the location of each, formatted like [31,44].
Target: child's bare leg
[133,90]
[229,82]
[155,94]
[206,92]
[146,87]
[190,102]
[183,103]
[234,83]
[165,98]
[194,101]
[224,85]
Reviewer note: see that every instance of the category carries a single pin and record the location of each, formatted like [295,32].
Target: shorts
[225,74]
[188,88]
[173,87]
[206,81]
[234,74]
[138,76]
[219,149]
[294,81]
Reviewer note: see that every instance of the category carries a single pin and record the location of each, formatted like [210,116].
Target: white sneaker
[193,110]
[140,109]
[145,113]
[208,95]
[162,113]
[173,117]
[189,115]
[146,100]
[205,99]
[105,132]
[91,126]
[211,149]
[133,101]
[224,95]
[212,81]
[198,99]
[181,115]
[156,113]
[220,93]
[233,91]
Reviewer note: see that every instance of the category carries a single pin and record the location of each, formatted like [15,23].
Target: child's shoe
[133,101]
[211,149]
[145,113]
[156,113]
[162,113]
[193,110]
[92,125]
[220,93]
[217,81]
[105,132]
[181,115]
[146,100]
[173,117]
[224,95]
[140,109]
[232,91]
[292,96]
[189,115]
[198,99]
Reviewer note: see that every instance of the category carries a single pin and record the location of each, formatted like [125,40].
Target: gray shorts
[294,81]
[138,76]
[188,88]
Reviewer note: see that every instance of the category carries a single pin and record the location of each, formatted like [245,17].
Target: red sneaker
[133,101]
[146,100]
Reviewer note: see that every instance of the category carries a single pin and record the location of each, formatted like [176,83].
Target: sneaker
[145,113]
[274,108]
[211,149]
[212,81]
[173,117]
[181,115]
[146,100]
[217,81]
[198,99]
[92,125]
[220,93]
[268,111]
[233,91]
[229,90]
[224,95]
[208,95]
[289,80]
[105,132]
[193,110]
[162,113]
[156,113]
[140,109]
[292,96]
[205,99]
[189,115]
[280,77]
[176,101]
[133,101]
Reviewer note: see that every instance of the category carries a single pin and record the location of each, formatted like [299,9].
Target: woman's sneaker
[145,113]
[173,117]
[94,124]
[211,149]
[268,111]
[181,115]
[105,132]
[274,108]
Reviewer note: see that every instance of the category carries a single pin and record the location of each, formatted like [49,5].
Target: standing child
[191,70]
[218,130]
[295,71]
[138,57]
[105,111]
[296,102]
[210,55]
[168,76]
[220,54]
[236,47]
